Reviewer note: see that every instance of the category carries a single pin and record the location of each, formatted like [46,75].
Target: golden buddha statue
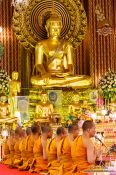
[44,110]
[14,89]
[4,108]
[5,113]
[54,60]
[74,108]
[14,85]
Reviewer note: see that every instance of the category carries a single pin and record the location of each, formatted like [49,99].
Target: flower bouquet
[108,85]
[4,82]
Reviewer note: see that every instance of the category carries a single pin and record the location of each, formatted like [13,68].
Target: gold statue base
[81,81]
[8,120]
[42,120]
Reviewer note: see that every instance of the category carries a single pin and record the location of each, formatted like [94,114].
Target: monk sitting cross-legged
[28,147]
[22,145]
[9,147]
[6,151]
[64,150]
[17,154]
[51,149]
[83,151]
[40,163]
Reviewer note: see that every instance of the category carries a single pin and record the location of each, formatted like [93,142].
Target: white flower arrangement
[4,82]
[108,85]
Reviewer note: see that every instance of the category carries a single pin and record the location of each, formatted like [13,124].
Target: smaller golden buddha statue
[74,108]
[14,89]
[44,110]
[4,108]
[14,85]
[54,60]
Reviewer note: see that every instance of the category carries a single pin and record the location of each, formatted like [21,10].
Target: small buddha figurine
[75,106]
[14,89]
[44,110]
[54,59]
[14,85]
[4,108]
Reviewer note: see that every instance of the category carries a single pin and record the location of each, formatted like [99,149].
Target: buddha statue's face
[3,99]
[15,75]
[55,29]
[54,26]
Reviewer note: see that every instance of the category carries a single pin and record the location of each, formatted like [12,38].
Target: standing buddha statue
[54,60]
[44,110]
[14,89]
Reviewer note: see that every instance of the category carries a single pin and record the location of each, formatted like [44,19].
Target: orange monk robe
[10,144]
[6,152]
[79,155]
[53,163]
[17,154]
[39,164]
[64,154]
[22,149]
[28,152]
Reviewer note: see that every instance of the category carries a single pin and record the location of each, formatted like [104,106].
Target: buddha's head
[3,98]
[15,75]
[54,25]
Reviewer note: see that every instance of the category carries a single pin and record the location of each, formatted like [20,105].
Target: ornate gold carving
[28,21]
[103,23]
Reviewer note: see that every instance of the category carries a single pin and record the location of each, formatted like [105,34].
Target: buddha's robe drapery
[28,152]
[79,156]
[10,143]
[53,163]
[64,154]
[38,164]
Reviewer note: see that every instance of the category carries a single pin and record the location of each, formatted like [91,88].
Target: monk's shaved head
[46,129]
[60,130]
[87,125]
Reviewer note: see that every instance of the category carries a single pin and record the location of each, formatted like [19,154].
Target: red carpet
[7,171]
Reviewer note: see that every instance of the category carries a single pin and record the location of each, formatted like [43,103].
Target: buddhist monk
[51,149]
[40,158]
[10,143]
[6,151]
[64,150]
[22,145]
[83,150]
[16,159]
[29,144]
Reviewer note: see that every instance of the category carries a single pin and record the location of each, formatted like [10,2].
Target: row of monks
[38,151]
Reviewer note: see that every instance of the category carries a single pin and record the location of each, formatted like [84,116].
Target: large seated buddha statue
[54,60]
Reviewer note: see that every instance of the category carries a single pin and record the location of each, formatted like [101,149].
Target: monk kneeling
[28,147]
[64,150]
[40,158]
[83,151]
[51,149]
